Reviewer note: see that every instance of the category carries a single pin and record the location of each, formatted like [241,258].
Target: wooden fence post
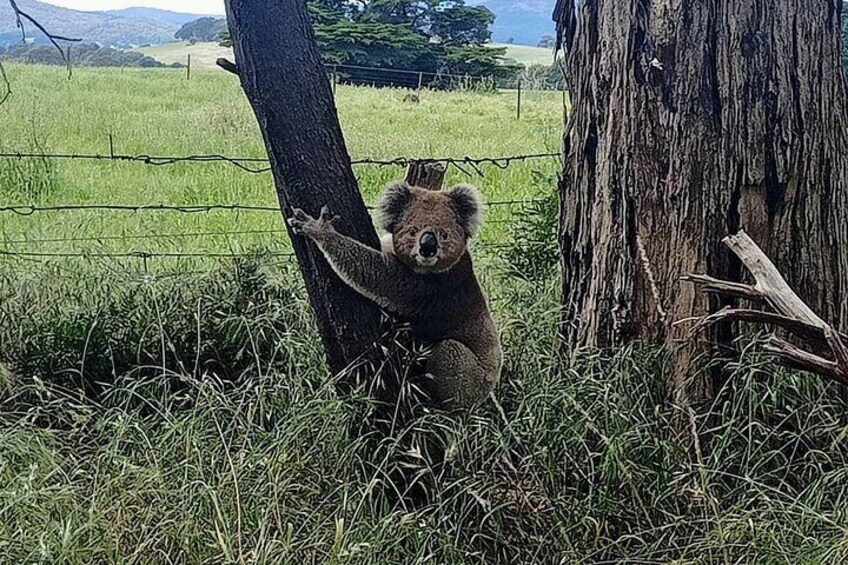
[426,174]
[519,100]
[188,67]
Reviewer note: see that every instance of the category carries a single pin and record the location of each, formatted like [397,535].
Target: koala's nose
[428,245]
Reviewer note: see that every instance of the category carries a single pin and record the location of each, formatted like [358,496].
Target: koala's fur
[438,295]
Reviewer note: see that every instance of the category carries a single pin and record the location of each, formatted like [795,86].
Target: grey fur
[447,309]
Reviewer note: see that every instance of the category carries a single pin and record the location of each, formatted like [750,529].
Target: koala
[424,275]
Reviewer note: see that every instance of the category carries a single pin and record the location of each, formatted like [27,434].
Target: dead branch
[20,16]
[227,65]
[788,312]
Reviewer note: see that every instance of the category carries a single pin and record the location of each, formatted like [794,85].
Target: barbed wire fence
[468,165]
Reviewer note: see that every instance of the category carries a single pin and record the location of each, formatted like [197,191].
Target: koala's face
[430,229]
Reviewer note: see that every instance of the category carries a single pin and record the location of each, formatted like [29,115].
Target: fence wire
[249,164]
[28,210]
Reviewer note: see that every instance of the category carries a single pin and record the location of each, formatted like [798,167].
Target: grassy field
[527,55]
[183,413]
[158,112]
[203,55]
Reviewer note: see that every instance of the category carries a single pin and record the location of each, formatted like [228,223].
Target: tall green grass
[212,433]
[158,112]
[184,414]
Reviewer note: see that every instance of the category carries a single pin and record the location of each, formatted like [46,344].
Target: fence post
[335,79]
[420,82]
[188,67]
[429,175]
[519,100]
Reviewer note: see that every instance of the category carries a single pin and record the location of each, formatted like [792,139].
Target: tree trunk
[282,74]
[692,120]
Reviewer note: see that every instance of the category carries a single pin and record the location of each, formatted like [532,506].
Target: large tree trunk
[282,74]
[692,120]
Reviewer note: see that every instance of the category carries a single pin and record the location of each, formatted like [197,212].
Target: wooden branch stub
[227,65]
[770,282]
[790,313]
[717,286]
[793,325]
[427,175]
[797,358]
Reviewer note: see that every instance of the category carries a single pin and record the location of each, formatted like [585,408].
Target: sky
[190,6]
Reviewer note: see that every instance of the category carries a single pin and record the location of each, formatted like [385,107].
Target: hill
[175,18]
[93,27]
[525,21]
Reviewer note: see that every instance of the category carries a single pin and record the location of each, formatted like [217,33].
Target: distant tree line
[203,29]
[84,55]
[431,36]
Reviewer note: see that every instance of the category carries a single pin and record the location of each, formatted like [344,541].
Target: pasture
[178,410]
[158,112]
[203,55]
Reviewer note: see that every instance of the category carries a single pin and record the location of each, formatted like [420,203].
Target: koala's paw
[304,224]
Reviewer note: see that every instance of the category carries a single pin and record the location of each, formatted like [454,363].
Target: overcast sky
[191,6]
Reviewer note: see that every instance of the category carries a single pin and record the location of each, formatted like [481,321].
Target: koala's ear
[468,203]
[392,204]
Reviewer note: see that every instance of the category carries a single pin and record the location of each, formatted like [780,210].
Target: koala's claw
[304,224]
[327,216]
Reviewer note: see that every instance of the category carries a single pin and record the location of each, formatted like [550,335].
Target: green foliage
[532,253]
[83,54]
[202,29]
[224,323]
[475,60]
[374,44]
[543,77]
[434,36]
[579,465]
[547,42]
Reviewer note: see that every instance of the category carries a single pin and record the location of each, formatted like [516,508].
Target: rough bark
[691,120]
[282,75]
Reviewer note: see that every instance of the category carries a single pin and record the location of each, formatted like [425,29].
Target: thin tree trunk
[282,74]
[692,120]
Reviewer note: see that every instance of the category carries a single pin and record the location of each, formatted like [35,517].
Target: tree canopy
[82,54]
[202,29]
[431,36]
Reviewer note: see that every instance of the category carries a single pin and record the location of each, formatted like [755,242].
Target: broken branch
[789,312]
[227,65]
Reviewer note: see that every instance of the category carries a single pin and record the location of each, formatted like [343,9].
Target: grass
[185,414]
[158,112]
[171,459]
[528,55]
[203,55]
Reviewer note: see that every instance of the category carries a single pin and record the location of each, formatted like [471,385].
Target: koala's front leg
[375,275]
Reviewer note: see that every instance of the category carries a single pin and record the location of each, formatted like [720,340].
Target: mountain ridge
[522,21]
[176,18]
[92,27]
